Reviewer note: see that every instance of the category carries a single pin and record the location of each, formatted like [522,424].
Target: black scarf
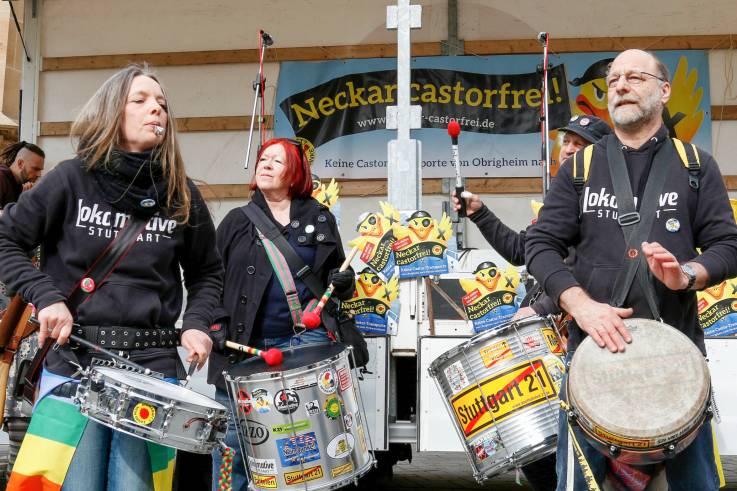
[132,182]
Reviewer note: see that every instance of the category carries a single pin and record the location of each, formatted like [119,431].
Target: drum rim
[484,336]
[266,376]
[589,421]
[215,405]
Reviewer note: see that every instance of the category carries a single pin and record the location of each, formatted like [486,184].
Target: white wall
[84,27]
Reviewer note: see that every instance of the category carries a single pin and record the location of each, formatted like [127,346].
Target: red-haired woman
[254,305]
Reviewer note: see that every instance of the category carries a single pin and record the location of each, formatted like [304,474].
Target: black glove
[344,283]
[219,334]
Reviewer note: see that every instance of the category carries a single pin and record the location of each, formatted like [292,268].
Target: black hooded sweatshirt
[70,217]
[700,218]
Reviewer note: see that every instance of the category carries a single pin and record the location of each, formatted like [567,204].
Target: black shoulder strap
[271,232]
[106,262]
[85,288]
[636,226]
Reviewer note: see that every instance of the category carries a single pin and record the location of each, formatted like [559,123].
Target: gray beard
[634,120]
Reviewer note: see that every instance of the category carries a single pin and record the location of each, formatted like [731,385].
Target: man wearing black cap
[579,132]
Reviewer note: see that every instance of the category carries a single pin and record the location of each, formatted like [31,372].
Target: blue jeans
[240,476]
[693,468]
[109,460]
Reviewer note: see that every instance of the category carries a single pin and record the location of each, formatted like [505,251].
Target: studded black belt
[128,338]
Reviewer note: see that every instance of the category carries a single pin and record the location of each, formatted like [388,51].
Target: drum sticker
[493,354]
[327,382]
[348,421]
[532,341]
[340,446]
[306,381]
[286,401]
[144,414]
[556,369]
[717,309]
[487,445]
[520,387]
[256,433]
[268,482]
[244,402]
[286,428]
[298,477]
[361,438]
[332,407]
[553,341]
[298,449]
[344,378]
[262,466]
[312,407]
[620,440]
[340,470]
[456,377]
[261,400]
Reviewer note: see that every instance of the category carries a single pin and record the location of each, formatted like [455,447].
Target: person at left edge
[124,166]
[254,307]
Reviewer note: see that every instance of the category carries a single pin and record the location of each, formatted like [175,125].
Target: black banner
[481,103]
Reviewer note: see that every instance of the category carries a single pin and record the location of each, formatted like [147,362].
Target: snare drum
[152,409]
[300,424]
[646,404]
[501,390]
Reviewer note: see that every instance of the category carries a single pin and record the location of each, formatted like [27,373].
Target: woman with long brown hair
[127,165]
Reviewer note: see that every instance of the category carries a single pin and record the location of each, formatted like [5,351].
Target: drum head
[158,387]
[297,357]
[657,387]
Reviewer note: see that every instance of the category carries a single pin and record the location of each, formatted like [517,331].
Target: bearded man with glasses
[592,218]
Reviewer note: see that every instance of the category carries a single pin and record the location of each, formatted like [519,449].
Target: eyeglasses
[633,77]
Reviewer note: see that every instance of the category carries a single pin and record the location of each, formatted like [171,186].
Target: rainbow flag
[50,443]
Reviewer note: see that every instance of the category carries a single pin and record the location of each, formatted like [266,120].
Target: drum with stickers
[153,409]
[501,391]
[661,373]
[301,424]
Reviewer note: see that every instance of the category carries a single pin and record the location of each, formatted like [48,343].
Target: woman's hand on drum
[55,321]
[523,312]
[198,344]
[599,320]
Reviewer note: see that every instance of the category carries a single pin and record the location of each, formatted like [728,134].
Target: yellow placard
[297,477]
[498,397]
[493,354]
[262,481]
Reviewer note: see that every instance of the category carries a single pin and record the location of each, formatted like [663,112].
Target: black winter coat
[248,270]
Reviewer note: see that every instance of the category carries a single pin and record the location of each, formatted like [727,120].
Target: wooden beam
[184,125]
[570,45]
[313,53]
[363,188]
[188,58]
[723,113]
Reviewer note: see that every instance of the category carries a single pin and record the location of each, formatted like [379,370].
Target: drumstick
[454,129]
[311,319]
[190,371]
[272,356]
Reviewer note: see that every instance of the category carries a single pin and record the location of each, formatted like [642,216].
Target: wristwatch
[690,274]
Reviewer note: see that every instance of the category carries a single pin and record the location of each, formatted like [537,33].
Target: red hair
[298,168]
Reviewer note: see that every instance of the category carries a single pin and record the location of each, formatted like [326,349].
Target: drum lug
[169,413]
[669,450]
[572,417]
[614,451]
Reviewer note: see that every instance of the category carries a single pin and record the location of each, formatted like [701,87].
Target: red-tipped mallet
[454,129]
[272,356]
[311,319]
